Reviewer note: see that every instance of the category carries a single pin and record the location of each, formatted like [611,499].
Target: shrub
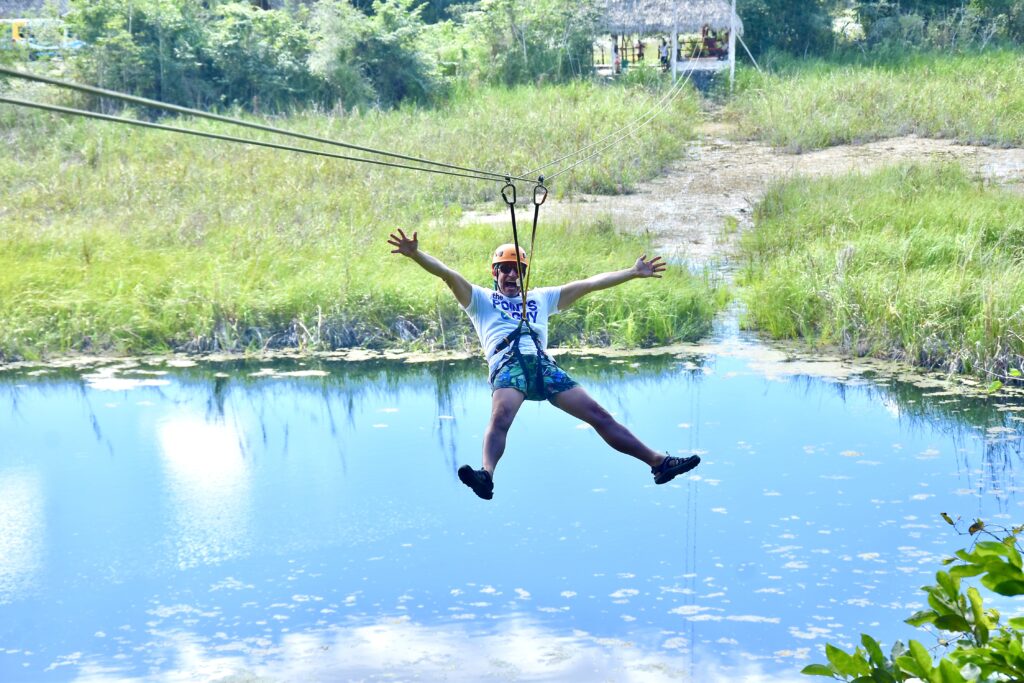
[520,41]
[980,646]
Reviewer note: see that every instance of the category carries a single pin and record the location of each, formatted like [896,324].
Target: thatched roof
[16,9]
[656,16]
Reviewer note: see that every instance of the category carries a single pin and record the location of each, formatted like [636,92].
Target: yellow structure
[37,35]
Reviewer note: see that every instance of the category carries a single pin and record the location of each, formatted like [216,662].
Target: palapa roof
[657,16]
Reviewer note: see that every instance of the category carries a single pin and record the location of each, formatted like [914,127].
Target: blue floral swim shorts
[510,375]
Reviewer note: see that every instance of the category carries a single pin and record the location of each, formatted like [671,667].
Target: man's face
[508,278]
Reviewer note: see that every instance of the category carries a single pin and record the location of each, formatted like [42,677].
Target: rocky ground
[694,207]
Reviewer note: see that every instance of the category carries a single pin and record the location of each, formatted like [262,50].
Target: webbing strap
[515,355]
[515,238]
[540,195]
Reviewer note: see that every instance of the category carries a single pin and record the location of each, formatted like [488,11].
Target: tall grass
[813,104]
[919,263]
[114,238]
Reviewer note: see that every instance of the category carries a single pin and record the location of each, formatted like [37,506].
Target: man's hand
[652,268]
[406,246]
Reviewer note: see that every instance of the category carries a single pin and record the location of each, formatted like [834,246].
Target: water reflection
[209,487]
[301,519]
[22,530]
[510,649]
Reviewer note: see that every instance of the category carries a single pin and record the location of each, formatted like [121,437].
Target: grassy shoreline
[923,264]
[126,241]
[811,104]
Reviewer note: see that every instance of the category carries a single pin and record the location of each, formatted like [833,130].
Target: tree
[521,41]
[798,27]
[376,58]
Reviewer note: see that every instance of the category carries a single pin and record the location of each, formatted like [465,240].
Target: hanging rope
[155,104]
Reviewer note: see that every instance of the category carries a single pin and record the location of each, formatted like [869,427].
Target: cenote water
[302,520]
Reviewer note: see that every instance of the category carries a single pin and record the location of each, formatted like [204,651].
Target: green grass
[923,264]
[125,240]
[811,104]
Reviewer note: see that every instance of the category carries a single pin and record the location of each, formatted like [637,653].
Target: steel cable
[229,138]
[132,99]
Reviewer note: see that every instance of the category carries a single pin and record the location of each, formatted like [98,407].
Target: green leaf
[817,670]
[994,387]
[953,622]
[882,676]
[921,656]
[989,548]
[1015,372]
[976,527]
[1004,579]
[873,649]
[963,570]
[1010,542]
[949,520]
[1017,623]
[977,608]
[1010,588]
[846,664]
[948,673]
[950,584]
[910,666]
[919,619]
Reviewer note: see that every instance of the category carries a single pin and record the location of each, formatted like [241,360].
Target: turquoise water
[303,521]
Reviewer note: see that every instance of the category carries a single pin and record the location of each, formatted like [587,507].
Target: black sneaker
[478,480]
[672,466]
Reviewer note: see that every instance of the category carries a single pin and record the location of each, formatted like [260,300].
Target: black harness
[510,347]
[510,344]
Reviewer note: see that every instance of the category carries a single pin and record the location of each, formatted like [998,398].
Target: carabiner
[540,193]
[504,192]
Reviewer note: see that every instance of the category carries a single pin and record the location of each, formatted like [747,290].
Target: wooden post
[732,47]
[675,40]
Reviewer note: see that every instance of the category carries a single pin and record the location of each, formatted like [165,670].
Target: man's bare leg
[505,403]
[578,403]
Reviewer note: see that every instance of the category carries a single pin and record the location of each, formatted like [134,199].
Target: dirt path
[690,208]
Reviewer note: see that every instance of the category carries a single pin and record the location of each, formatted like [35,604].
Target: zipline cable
[132,99]
[228,138]
[637,123]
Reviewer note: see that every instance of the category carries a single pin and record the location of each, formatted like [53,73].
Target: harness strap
[511,341]
[515,235]
[540,195]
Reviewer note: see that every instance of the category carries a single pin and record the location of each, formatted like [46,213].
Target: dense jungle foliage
[359,53]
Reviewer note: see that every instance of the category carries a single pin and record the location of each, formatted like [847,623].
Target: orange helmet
[506,253]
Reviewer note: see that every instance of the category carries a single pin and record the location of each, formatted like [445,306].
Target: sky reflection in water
[304,522]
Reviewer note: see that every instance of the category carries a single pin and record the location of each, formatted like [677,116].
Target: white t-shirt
[495,315]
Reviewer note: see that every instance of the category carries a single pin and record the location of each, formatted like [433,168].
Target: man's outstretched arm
[409,246]
[642,268]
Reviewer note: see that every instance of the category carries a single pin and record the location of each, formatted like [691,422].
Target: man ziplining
[519,368]
[514,343]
